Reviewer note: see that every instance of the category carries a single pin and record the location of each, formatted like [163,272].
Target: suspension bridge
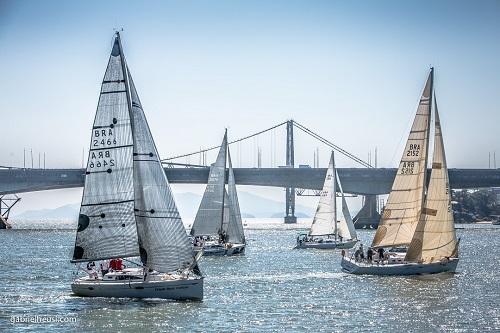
[363,179]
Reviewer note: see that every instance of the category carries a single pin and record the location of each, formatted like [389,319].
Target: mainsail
[346,226]
[163,242]
[106,224]
[434,237]
[208,220]
[235,231]
[324,221]
[127,207]
[405,202]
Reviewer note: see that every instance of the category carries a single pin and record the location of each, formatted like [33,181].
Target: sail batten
[405,203]
[106,224]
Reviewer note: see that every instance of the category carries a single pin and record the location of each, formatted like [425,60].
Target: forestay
[163,242]
[208,220]
[324,220]
[434,237]
[106,225]
[405,202]
[235,228]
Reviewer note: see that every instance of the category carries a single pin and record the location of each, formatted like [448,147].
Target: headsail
[208,220]
[106,224]
[324,220]
[435,237]
[346,225]
[163,242]
[405,202]
[235,228]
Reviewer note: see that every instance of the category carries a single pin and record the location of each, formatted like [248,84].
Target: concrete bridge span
[362,181]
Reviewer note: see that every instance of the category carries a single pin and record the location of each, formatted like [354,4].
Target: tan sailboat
[417,224]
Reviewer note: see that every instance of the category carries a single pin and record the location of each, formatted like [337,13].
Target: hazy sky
[351,70]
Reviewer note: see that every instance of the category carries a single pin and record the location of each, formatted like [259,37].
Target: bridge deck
[354,180]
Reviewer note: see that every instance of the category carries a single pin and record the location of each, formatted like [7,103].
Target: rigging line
[335,147]
[234,141]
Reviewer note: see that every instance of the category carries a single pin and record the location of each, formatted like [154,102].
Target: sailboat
[127,208]
[417,223]
[326,232]
[217,228]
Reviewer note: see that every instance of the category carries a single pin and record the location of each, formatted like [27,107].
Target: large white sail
[106,224]
[325,216]
[208,220]
[235,231]
[404,205]
[435,237]
[163,243]
[346,226]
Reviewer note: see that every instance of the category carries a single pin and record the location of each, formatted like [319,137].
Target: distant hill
[66,212]
[251,205]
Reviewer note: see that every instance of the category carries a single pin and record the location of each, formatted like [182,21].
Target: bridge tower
[290,191]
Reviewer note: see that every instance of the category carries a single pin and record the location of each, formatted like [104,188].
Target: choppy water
[271,288]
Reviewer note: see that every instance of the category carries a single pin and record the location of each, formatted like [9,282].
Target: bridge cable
[330,144]
[165,160]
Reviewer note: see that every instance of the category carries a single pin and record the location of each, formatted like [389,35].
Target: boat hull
[182,289]
[326,245]
[222,251]
[352,267]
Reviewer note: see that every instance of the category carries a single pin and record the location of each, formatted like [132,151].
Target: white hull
[179,289]
[221,250]
[352,267]
[326,245]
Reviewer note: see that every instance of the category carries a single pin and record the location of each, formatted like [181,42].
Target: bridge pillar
[290,191]
[368,217]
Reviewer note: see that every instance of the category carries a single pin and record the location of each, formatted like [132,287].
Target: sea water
[272,288]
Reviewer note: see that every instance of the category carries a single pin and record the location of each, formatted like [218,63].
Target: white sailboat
[326,231]
[217,228]
[417,223]
[127,208]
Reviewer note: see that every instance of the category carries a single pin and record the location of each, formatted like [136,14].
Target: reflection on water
[271,288]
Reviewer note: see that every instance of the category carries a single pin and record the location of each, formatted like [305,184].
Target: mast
[224,144]
[334,197]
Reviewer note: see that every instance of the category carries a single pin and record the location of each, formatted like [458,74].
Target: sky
[352,71]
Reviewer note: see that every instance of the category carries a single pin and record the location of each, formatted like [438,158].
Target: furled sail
[163,243]
[324,221]
[405,202]
[435,237]
[346,226]
[235,228]
[208,220]
[106,224]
